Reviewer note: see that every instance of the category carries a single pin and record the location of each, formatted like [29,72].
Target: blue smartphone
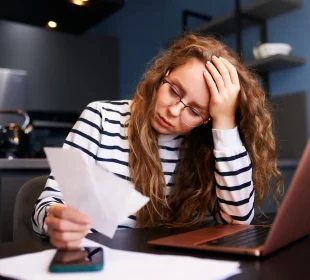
[77,260]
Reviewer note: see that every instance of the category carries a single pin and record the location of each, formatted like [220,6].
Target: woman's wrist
[227,139]
[224,123]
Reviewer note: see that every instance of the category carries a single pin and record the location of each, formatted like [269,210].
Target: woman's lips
[164,122]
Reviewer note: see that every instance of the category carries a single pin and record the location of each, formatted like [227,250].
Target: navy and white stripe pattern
[101,133]
[233,174]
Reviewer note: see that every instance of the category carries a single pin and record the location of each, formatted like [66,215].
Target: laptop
[291,223]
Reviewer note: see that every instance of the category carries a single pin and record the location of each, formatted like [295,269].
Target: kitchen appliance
[50,129]
[13,89]
[14,138]
[13,119]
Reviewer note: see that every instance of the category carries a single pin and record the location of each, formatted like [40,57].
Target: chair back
[24,205]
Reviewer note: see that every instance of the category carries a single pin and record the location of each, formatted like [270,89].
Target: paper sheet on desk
[122,265]
[92,190]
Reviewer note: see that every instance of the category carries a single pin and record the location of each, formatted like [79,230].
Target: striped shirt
[101,133]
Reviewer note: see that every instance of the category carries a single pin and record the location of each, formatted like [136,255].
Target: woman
[196,138]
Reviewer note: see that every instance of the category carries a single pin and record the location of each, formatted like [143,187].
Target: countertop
[24,163]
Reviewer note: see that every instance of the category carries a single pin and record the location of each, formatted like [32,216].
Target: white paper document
[93,190]
[122,265]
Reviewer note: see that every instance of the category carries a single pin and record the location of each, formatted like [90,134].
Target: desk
[289,263]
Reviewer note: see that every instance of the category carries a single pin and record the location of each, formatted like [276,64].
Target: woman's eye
[194,112]
[172,90]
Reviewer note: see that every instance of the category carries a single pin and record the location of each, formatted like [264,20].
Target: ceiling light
[52,24]
[79,2]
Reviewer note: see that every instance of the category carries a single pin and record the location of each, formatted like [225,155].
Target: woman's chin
[160,129]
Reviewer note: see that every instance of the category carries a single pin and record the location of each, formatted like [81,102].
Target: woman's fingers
[222,70]
[65,245]
[216,77]
[68,236]
[64,225]
[223,82]
[211,85]
[68,213]
[232,71]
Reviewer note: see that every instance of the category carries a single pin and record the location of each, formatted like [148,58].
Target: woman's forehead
[192,65]
[190,78]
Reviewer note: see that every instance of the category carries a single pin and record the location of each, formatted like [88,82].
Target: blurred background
[56,56]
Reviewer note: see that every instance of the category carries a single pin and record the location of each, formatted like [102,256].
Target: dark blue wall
[66,72]
[143,27]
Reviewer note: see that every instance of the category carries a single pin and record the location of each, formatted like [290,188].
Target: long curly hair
[194,191]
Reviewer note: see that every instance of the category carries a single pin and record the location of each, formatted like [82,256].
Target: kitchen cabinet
[13,174]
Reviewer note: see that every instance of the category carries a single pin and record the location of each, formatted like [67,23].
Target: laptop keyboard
[249,238]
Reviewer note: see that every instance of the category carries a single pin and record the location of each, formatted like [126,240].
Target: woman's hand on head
[223,82]
[66,226]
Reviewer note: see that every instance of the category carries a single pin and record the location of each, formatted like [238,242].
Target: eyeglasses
[189,115]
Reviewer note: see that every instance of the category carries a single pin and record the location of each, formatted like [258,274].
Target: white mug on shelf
[269,49]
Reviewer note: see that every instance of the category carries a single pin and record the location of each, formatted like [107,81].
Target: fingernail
[86,220]
[208,62]
[221,58]
[213,56]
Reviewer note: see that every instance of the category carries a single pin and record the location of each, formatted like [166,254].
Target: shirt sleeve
[85,136]
[233,175]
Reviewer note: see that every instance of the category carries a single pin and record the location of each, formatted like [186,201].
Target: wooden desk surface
[291,262]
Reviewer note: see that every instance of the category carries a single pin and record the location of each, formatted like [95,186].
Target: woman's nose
[176,109]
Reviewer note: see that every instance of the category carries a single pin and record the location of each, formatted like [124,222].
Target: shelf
[52,124]
[275,63]
[262,9]
[287,163]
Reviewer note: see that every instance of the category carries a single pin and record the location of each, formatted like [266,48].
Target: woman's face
[188,83]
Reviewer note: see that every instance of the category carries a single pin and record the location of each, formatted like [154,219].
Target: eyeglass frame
[164,80]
